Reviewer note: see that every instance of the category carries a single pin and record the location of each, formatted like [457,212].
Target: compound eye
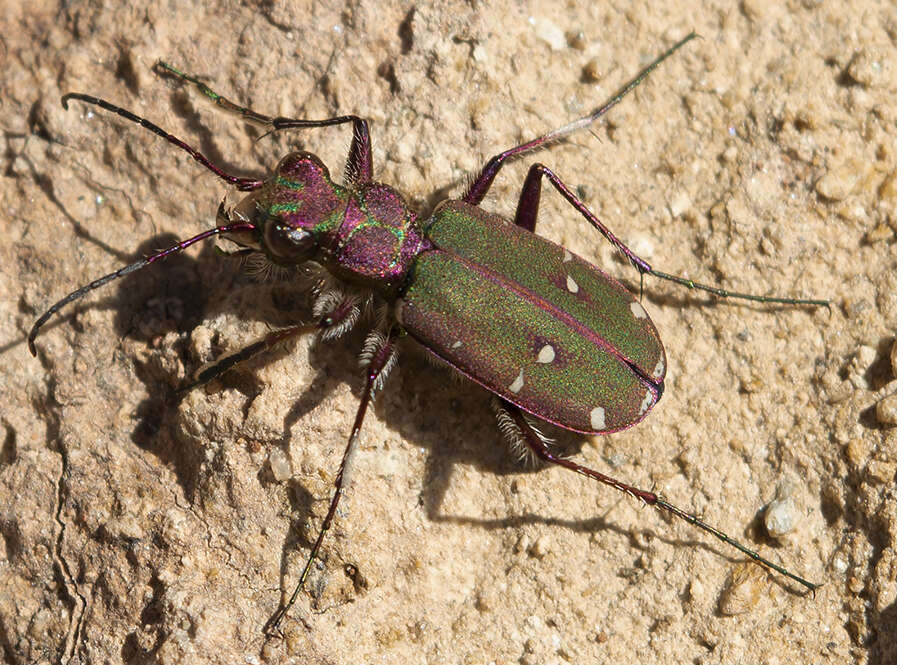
[287,242]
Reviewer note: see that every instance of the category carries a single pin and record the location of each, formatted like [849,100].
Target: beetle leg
[528,208]
[378,361]
[483,181]
[542,451]
[359,166]
[373,346]
[329,326]
[540,448]
[231,360]
[509,428]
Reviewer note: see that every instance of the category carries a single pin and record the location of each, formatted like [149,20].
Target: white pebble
[780,517]
[281,468]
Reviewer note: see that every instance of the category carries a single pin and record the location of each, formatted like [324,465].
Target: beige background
[140,530]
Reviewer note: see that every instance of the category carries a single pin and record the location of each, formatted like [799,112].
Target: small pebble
[780,517]
[680,203]
[886,411]
[576,39]
[870,68]
[746,586]
[858,452]
[840,565]
[592,71]
[280,465]
[838,183]
[881,471]
[549,33]
[540,548]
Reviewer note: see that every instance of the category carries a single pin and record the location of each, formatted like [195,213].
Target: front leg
[359,166]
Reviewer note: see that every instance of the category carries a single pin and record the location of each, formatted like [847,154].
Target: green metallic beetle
[551,336]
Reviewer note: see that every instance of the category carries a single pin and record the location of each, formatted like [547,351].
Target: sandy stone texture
[140,527]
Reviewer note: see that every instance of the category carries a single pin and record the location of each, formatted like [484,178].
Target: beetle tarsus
[649,498]
[379,360]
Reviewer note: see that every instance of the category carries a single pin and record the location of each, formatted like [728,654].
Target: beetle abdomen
[533,323]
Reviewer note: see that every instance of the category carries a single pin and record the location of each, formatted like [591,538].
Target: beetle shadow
[149,304]
[489,452]
[184,102]
[47,185]
[154,302]
[486,449]
[177,297]
[883,649]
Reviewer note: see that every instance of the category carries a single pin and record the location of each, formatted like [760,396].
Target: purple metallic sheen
[311,190]
[422,325]
[384,204]
[542,416]
[378,239]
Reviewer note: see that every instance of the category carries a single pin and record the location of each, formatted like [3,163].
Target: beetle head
[296,212]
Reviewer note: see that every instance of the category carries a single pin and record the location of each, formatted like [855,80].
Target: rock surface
[140,528]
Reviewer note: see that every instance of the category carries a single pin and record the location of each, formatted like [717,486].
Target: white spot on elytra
[646,403]
[572,286]
[518,383]
[596,418]
[456,345]
[638,311]
[397,310]
[546,354]
[658,370]
[567,256]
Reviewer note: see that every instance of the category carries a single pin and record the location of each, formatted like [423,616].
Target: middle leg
[528,209]
[379,359]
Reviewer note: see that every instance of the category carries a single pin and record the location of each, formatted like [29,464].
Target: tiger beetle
[551,336]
